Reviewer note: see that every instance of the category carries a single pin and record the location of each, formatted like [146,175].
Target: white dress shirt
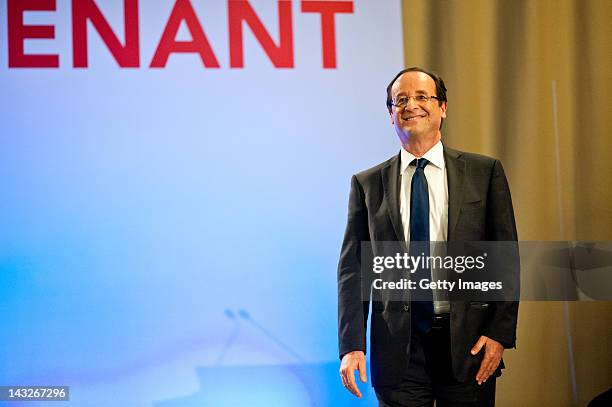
[437,183]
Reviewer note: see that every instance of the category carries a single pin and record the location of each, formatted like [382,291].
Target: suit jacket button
[406,307]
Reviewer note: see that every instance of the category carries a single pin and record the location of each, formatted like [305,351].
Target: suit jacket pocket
[479,304]
[472,205]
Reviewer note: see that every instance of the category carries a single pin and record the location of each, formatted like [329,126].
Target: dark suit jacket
[480,209]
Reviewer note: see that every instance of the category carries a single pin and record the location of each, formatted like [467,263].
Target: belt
[441,321]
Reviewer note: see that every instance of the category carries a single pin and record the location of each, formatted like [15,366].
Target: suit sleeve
[352,308]
[501,227]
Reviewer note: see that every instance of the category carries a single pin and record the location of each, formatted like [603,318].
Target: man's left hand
[493,351]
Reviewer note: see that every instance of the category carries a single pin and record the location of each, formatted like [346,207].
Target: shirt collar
[434,155]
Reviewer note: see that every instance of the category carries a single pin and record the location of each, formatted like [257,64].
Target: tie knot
[420,163]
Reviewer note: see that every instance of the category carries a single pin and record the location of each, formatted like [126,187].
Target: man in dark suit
[439,349]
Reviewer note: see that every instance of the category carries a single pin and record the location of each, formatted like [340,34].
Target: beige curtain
[530,82]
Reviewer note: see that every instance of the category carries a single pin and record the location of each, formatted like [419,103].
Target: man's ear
[391,117]
[443,109]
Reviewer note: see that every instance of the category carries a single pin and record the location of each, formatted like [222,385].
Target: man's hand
[352,361]
[492,356]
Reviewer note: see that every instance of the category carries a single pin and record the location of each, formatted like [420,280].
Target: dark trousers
[429,377]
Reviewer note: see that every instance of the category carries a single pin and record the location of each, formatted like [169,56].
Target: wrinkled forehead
[414,83]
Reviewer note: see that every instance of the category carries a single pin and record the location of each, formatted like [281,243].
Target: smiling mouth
[413,118]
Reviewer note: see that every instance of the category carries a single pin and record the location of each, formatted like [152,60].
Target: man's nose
[412,103]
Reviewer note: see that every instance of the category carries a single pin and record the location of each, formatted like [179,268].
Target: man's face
[417,119]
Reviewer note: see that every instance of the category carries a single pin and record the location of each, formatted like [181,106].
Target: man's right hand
[352,361]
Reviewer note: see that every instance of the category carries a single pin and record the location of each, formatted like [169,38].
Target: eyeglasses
[403,101]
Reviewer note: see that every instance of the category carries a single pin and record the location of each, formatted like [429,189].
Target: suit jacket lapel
[391,180]
[455,172]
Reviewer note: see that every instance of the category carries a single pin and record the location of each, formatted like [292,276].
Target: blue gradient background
[170,237]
